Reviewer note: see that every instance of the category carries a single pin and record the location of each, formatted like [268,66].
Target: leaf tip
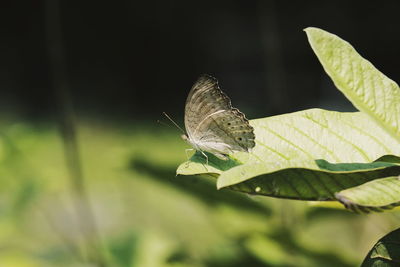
[222,183]
[309,30]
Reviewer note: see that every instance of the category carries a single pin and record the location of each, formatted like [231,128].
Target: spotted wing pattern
[212,124]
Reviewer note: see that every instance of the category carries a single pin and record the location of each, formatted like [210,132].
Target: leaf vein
[370,136]
[361,152]
[273,150]
[333,178]
[306,182]
[323,184]
[290,185]
[289,142]
[313,140]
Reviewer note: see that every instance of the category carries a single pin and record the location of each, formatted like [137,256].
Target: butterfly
[212,124]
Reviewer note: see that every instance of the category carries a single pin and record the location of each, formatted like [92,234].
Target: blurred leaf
[366,87]
[25,196]
[154,250]
[123,250]
[326,204]
[268,250]
[203,189]
[274,252]
[386,252]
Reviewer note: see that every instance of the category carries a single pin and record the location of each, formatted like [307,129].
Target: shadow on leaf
[215,162]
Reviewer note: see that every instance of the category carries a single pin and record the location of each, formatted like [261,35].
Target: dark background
[135,59]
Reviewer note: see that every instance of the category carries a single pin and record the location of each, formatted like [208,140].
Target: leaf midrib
[354,98]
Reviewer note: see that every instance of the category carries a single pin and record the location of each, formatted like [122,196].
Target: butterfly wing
[204,98]
[211,122]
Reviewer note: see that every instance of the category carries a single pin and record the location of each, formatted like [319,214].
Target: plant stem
[56,55]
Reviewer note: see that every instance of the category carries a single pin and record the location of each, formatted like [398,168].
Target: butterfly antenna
[166,115]
[164,124]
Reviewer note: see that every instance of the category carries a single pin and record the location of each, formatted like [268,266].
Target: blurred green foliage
[149,217]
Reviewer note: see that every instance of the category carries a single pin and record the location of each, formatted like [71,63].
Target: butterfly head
[187,139]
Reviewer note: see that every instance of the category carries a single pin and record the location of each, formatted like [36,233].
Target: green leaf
[297,181]
[268,250]
[386,252]
[367,88]
[338,167]
[283,162]
[315,154]
[214,167]
[376,195]
[389,158]
[124,249]
[306,136]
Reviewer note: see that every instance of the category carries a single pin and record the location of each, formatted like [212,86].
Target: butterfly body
[212,124]
[217,148]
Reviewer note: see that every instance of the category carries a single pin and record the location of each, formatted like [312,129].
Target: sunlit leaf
[284,162]
[375,195]
[315,154]
[367,88]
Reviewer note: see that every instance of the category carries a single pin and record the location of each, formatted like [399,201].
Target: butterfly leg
[187,156]
[204,154]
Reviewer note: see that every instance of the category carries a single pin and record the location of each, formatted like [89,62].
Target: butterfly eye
[240,138]
[229,124]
